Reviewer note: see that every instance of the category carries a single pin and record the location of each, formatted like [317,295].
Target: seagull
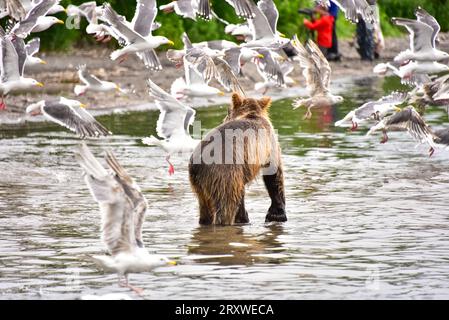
[193,86]
[354,8]
[173,125]
[423,34]
[36,19]
[12,70]
[92,83]
[183,8]
[242,8]
[373,110]
[123,208]
[70,114]
[239,56]
[317,71]
[139,38]
[408,119]
[414,72]
[263,28]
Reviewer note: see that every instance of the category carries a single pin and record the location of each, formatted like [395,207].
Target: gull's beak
[282,35]
[60,22]
[261,56]
[43,62]
[221,93]
[40,84]
[65,10]
[172,263]
[82,105]
[397,109]
[171,43]
[117,88]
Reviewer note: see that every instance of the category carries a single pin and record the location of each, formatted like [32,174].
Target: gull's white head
[29,83]
[163,40]
[72,103]
[337,99]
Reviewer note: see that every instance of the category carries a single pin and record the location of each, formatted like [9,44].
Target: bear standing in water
[232,155]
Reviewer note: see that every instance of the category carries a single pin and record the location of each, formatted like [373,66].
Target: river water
[365,220]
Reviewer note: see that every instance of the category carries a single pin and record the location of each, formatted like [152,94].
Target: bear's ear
[236,101]
[265,103]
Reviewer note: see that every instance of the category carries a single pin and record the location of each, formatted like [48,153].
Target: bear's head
[247,108]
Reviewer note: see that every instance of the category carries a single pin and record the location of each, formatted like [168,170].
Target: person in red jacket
[323,26]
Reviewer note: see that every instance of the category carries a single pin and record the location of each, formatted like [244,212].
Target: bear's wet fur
[220,184]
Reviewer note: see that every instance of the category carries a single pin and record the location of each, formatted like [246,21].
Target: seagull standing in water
[317,71]
[123,208]
[173,125]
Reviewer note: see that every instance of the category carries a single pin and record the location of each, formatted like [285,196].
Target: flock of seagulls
[203,66]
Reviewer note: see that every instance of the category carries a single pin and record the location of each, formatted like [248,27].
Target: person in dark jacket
[365,37]
[333,53]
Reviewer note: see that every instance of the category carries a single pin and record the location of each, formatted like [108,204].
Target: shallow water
[365,220]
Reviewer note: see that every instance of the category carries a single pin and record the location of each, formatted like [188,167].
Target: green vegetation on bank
[290,22]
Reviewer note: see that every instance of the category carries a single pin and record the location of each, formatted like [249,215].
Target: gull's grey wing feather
[423,16]
[204,10]
[271,13]
[32,46]
[352,9]
[242,8]
[232,57]
[132,191]
[270,67]
[420,33]
[226,77]
[117,212]
[9,61]
[259,23]
[19,46]
[86,77]
[150,59]
[24,27]
[146,11]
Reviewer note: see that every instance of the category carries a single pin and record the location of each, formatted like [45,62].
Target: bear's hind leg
[275,186]
[206,213]
[242,214]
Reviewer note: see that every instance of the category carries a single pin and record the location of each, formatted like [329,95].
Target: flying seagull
[12,66]
[423,34]
[92,83]
[136,36]
[173,125]
[123,208]
[70,114]
[376,110]
[408,119]
[317,71]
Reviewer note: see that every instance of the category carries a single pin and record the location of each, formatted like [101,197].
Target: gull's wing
[192,76]
[271,12]
[86,77]
[78,121]
[204,10]
[9,61]
[144,16]
[117,211]
[119,26]
[352,9]
[311,70]
[202,62]
[270,67]
[186,41]
[32,46]
[175,117]
[15,9]
[132,191]
[185,9]
[410,120]
[420,33]
[322,63]
[232,57]
[218,44]
[24,27]
[242,8]
[423,16]
[19,46]
[150,59]
[259,24]
[226,77]
[369,108]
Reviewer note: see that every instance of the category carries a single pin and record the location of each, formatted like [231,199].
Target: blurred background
[290,22]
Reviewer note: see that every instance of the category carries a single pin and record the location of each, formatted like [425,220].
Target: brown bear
[232,155]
